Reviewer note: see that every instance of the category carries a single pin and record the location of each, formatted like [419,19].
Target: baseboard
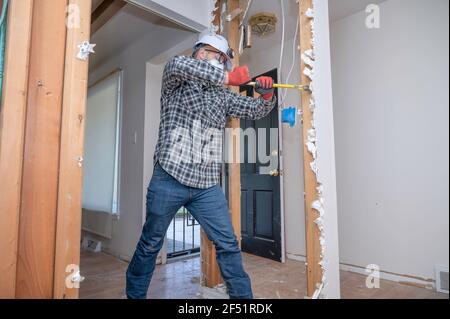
[385,275]
[296,257]
[402,279]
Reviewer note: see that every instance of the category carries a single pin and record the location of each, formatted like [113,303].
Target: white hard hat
[220,43]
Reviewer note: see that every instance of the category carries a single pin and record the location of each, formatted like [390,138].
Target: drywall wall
[133,60]
[325,162]
[391,107]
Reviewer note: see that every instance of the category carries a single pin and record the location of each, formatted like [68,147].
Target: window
[101,146]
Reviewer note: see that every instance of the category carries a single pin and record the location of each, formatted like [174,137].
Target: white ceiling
[129,25]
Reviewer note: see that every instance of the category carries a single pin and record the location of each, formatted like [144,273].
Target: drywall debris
[312,104]
[309,53]
[314,168]
[312,135]
[312,149]
[320,190]
[318,206]
[308,72]
[214,28]
[308,58]
[86,49]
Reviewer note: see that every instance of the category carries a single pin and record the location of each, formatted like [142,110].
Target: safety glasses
[219,55]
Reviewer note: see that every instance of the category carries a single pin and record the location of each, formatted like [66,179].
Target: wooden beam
[210,269]
[234,182]
[36,252]
[12,128]
[105,12]
[68,230]
[313,247]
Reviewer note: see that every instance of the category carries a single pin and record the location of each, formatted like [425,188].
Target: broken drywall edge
[214,28]
[309,54]
[312,149]
[312,135]
[308,58]
[314,168]
[312,101]
[318,206]
[320,189]
[309,72]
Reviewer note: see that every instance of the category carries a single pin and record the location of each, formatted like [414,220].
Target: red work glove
[264,86]
[239,76]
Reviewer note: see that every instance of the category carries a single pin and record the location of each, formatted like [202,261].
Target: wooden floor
[105,278]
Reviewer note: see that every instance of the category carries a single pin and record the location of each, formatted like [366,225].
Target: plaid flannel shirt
[194,109]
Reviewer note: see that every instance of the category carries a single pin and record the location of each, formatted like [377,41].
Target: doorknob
[274,173]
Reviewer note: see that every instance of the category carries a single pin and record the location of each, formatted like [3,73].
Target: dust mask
[215,63]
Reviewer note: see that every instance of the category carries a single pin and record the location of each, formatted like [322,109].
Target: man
[194,101]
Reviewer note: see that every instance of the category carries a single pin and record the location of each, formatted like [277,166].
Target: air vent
[91,244]
[442,279]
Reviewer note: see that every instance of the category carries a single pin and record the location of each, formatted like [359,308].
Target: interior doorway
[260,183]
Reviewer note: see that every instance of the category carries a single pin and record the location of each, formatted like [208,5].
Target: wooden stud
[37,227]
[313,248]
[210,269]
[68,230]
[234,182]
[12,131]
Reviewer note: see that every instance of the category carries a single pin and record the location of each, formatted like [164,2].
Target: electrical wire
[294,47]
[245,13]
[283,26]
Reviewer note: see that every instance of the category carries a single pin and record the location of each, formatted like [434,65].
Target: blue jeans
[165,196]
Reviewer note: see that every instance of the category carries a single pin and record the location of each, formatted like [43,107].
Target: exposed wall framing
[319,159]
[41,132]
[68,228]
[313,233]
[37,226]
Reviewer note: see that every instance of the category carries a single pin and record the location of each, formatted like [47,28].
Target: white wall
[133,60]
[326,163]
[391,110]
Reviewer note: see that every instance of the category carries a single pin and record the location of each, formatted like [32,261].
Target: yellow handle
[284,86]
